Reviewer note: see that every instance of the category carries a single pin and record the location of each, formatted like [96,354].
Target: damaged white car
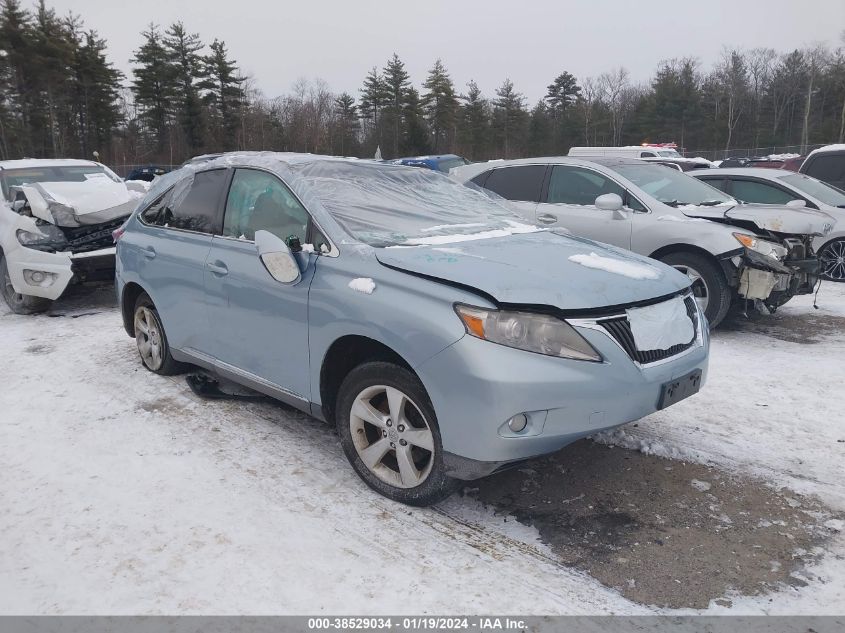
[56,223]
[736,255]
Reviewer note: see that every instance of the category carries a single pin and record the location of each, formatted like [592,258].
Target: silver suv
[733,253]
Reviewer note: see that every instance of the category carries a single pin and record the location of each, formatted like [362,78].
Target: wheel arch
[345,354]
[128,298]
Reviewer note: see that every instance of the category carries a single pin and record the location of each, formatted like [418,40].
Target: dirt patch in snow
[807,327]
[663,532]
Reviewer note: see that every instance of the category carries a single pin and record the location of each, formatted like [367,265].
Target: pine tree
[347,121]
[15,73]
[373,100]
[415,134]
[155,85]
[562,94]
[474,130]
[94,102]
[509,117]
[397,82]
[440,104]
[183,51]
[224,91]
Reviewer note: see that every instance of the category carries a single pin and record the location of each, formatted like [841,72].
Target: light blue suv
[444,338]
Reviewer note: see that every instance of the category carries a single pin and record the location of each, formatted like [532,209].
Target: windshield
[388,205]
[817,189]
[668,153]
[672,187]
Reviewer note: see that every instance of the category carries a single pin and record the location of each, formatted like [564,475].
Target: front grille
[620,330]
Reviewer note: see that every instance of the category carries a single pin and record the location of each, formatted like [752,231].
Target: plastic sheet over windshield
[387,205]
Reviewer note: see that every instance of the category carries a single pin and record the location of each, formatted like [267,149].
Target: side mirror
[277,258]
[797,204]
[609,202]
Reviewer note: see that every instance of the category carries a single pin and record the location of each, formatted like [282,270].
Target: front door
[570,203]
[259,325]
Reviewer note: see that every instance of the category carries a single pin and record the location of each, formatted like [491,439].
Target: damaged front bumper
[47,275]
[757,277]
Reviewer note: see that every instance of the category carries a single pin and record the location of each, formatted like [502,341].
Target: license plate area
[680,388]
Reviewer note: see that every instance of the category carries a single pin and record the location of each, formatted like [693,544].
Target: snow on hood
[538,269]
[768,217]
[92,201]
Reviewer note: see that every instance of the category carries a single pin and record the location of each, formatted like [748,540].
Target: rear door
[570,203]
[259,325]
[520,184]
[169,254]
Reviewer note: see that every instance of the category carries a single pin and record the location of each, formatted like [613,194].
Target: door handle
[218,268]
[546,218]
[149,252]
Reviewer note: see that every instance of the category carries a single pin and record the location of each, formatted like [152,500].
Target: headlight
[48,237]
[764,247]
[527,331]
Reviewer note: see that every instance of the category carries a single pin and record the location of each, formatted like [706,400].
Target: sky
[530,42]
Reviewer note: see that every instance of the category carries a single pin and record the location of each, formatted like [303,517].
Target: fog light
[518,423]
[38,278]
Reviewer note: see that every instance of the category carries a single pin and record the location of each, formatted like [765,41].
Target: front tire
[832,260]
[709,285]
[18,303]
[389,432]
[152,340]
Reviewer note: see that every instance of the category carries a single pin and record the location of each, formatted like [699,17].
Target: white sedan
[779,186]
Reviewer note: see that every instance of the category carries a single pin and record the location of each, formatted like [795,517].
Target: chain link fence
[749,152]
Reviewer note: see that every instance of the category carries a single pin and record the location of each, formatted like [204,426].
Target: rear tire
[152,340]
[389,432]
[708,284]
[18,303]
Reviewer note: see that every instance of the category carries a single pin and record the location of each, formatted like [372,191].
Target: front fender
[412,316]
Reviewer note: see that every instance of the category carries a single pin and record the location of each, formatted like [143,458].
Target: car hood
[542,268]
[72,204]
[767,217]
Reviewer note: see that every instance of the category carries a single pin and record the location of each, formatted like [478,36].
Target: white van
[629,151]
[664,154]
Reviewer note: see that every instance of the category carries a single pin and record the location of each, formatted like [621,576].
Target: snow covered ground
[123,493]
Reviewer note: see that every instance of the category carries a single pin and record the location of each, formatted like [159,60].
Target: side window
[517,183]
[481,178]
[575,185]
[632,203]
[153,214]
[829,168]
[750,191]
[193,203]
[648,155]
[259,201]
[719,183]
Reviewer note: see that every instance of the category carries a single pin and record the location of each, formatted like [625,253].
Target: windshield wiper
[671,203]
[710,203]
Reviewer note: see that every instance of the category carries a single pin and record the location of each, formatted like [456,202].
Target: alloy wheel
[699,287]
[391,436]
[832,260]
[149,338]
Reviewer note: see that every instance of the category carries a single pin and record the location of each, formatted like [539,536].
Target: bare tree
[615,91]
[816,59]
[731,80]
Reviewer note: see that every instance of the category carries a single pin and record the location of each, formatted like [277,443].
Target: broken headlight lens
[527,331]
[764,247]
[48,238]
